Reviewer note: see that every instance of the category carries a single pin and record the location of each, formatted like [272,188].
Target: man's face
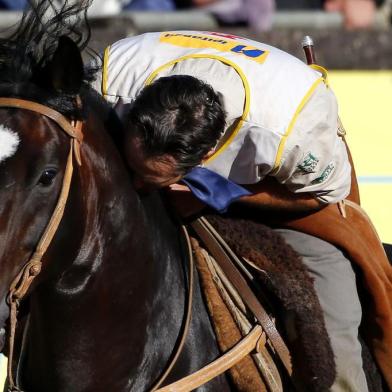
[150,172]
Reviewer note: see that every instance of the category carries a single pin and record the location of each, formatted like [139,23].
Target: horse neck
[114,269]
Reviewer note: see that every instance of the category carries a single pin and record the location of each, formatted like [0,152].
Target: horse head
[41,90]
[32,167]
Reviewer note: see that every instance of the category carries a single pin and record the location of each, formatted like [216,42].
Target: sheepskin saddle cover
[291,300]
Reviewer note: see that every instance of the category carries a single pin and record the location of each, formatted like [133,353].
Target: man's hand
[183,200]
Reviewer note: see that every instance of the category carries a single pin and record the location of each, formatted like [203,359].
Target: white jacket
[281,116]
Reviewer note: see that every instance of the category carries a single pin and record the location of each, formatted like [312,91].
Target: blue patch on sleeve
[212,189]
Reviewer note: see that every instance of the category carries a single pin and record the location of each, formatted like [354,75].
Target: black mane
[26,51]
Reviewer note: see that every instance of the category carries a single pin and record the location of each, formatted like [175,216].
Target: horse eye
[47,177]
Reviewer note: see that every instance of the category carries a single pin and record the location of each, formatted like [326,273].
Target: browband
[54,115]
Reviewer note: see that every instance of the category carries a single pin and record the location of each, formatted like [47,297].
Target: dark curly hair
[177,115]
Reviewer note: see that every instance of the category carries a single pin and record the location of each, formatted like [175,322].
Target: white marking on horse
[9,141]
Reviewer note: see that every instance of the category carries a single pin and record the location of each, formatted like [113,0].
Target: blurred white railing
[198,20]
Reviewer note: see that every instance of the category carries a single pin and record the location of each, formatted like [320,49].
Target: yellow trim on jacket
[282,143]
[105,75]
[322,70]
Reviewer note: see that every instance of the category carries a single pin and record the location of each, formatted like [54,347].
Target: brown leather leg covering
[244,375]
[356,236]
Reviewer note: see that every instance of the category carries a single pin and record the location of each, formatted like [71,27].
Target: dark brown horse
[106,311]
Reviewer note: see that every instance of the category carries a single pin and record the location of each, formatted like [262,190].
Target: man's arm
[270,195]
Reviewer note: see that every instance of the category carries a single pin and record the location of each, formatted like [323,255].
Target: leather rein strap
[32,268]
[188,315]
[218,249]
[219,366]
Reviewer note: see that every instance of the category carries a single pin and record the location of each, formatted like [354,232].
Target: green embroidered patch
[309,163]
[325,174]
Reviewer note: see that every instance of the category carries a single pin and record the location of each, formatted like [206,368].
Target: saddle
[265,263]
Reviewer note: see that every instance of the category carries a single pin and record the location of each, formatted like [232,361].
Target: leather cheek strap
[20,285]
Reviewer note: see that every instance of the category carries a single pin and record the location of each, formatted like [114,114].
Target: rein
[32,268]
[253,340]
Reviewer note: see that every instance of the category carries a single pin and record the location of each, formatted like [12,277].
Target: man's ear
[121,108]
[64,72]
[209,154]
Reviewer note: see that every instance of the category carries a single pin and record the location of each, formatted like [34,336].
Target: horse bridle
[32,268]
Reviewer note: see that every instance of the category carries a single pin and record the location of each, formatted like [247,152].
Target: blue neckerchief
[213,189]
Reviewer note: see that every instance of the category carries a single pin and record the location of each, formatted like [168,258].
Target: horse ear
[65,70]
